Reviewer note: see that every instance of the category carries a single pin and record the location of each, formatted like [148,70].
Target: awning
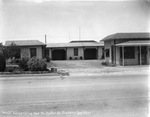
[135,43]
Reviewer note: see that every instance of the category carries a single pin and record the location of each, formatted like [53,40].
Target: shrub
[81,57]
[76,58]
[42,65]
[11,68]
[23,63]
[2,63]
[47,58]
[70,58]
[35,64]
[105,63]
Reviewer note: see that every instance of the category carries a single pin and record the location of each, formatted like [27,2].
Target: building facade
[127,48]
[29,48]
[75,51]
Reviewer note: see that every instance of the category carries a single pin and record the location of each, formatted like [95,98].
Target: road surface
[90,96]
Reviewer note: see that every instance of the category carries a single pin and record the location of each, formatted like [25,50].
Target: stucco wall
[100,52]
[70,53]
[50,54]
[118,56]
[25,52]
[148,55]
[108,45]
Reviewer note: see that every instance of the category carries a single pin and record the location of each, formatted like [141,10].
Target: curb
[28,75]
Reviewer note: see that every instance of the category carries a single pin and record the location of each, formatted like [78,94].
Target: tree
[11,51]
[2,58]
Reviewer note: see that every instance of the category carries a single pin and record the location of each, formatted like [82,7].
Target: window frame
[76,52]
[32,53]
[129,52]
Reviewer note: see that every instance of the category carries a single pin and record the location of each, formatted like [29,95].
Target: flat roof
[135,43]
[127,36]
[62,45]
[25,42]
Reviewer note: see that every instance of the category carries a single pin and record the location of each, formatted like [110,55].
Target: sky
[64,21]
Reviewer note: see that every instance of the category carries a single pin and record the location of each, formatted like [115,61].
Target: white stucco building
[29,48]
[127,48]
[75,50]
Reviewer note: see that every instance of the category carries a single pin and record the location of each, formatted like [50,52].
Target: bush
[47,58]
[35,64]
[105,63]
[81,57]
[12,68]
[23,63]
[2,63]
[70,58]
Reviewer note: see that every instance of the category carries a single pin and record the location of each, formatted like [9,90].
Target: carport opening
[59,54]
[90,53]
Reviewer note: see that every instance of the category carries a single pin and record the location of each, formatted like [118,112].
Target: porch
[132,53]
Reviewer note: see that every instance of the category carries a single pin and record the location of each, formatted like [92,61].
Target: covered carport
[90,53]
[58,54]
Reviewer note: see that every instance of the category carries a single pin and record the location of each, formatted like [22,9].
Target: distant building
[29,48]
[127,48]
[75,50]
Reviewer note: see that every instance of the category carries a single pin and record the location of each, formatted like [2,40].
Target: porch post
[140,56]
[123,55]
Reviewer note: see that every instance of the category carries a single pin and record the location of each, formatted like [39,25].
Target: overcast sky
[32,19]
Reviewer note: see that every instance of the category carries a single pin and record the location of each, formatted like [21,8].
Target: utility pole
[69,36]
[45,39]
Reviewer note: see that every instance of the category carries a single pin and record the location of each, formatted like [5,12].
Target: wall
[118,56]
[108,45]
[25,51]
[100,52]
[148,55]
[70,53]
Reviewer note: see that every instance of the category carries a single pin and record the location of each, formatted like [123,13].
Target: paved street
[92,95]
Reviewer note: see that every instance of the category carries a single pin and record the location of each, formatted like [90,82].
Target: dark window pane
[33,52]
[75,51]
[107,52]
[129,52]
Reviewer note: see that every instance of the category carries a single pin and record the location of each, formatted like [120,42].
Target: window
[129,52]
[32,52]
[75,51]
[107,52]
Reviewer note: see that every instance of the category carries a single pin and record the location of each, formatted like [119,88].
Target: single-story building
[75,50]
[29,48]
[127,48]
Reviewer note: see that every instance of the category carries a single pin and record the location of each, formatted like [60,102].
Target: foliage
[11,51]
[12,68]
[2,62]
[23,63]
[47,58]
[35,64]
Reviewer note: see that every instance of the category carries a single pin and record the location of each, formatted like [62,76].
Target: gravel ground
[94,66]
